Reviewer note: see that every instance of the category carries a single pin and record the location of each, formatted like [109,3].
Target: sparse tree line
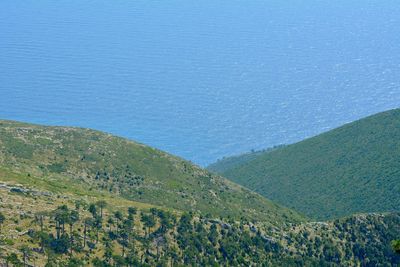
[89,234]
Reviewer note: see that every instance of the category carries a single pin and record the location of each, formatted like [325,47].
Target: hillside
[351,169]
[100,162]
[42,228]
[78,197]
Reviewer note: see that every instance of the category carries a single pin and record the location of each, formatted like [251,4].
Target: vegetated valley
[78,197]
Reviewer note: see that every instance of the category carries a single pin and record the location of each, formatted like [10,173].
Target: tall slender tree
[101,204]
[93,210]
[26,253]
[148,222]
[2,220]
[61,216]
[87,223]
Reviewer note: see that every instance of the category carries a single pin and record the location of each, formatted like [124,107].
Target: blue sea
[199,79]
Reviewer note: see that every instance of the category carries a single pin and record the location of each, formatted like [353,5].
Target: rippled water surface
[200,79]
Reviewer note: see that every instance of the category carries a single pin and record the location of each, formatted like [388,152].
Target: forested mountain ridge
[354,168]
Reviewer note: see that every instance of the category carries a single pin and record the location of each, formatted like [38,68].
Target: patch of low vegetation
[396,246]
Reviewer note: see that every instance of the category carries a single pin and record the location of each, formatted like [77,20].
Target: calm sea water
[200,79]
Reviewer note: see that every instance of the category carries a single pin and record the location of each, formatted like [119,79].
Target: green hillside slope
[97,161]
[355,168]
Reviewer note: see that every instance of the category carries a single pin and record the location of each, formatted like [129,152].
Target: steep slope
[97,161]
[354,168]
